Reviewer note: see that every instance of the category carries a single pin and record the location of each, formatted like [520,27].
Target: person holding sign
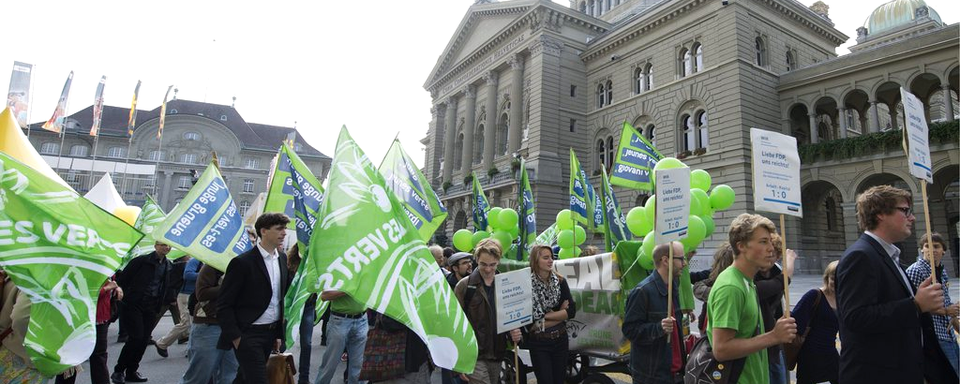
[735,328]
[883,322]
[770,283]
[945,320]
[552,306]
[476,294]
[656,355]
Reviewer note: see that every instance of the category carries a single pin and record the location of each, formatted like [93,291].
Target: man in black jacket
[250,307]
[144,283]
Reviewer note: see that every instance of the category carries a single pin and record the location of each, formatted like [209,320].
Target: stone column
[469,120]
[863,124]
[490,128]
[432,156]
[851,228]
[874,118]
[449,136]
[948,100]
[893,119]
[843,123]
[814,131]
[515,130]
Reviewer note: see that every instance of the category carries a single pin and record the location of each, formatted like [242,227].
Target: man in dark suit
[885,327]
[144,283]
[250,306]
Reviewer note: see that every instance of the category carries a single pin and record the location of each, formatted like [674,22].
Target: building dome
[897,13]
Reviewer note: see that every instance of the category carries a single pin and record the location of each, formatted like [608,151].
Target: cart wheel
[577,368]
[597,378]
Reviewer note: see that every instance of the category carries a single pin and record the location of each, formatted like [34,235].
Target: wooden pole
[516,362]
[783,256]
[926,218]
[669,287]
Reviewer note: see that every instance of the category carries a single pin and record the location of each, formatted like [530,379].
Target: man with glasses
[657,355]
[460,265]
[885,325]
[476,296]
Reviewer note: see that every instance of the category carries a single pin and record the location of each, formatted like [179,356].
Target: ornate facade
[530,78]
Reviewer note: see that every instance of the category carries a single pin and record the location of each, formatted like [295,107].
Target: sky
[318,65]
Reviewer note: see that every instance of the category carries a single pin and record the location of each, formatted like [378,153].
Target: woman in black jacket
[552,307]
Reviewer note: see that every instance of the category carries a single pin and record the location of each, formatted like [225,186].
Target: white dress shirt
[271,261]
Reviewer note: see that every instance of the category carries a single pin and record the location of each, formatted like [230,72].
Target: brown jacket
[490,345]
[15,313]
[207,292]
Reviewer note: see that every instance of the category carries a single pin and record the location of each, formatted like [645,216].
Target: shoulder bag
[791,351]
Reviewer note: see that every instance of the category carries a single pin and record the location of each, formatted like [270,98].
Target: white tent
[105,195]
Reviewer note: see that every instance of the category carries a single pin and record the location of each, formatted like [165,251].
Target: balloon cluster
[501,227]
[640,220]
[571,235]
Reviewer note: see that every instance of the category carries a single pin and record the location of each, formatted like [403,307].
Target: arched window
[830,207]
[191,136]
[601,153]
[639,80]
[79,150]
[702,128]
[609,92]
[458,150]
[116,152]
[502,134]
[601,95]
[760,51]
[689,133]
[648,73]
[686,63]
[478,145]
[609,5]
[789,61]
[611,152]
[698,61]
[50,148]
[650,133]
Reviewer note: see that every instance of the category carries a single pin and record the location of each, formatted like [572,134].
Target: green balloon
[479,235]
[493,218]
[503,238]
[645,260]
[648,243]
[566,239]
[463,240]
[668,163]
[722,197]
[636,219]
[702,200]
[709,224]
[696,230]
[509,218]
[700,179]
[565,219]
[566,253]
[580,235]
[695,208]
[577,251]
[650,208]
[514,231]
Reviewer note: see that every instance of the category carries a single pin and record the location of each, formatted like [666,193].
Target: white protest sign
[776,173]
[917,136]
[673,204]
[514,300]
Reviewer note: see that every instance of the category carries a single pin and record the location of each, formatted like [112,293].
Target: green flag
[151,215]
[635,160]
[365,246]
[480,206]
[281,191]
[206,224]
[528,214]
[581,198]
[548,236]
[424,209]
[58,248]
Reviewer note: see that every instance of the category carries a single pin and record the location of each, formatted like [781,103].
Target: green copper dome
[896,13]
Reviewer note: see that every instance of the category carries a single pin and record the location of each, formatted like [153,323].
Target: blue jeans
[205,360]
[349,334]
[778,369]
[306,341]
[952,350]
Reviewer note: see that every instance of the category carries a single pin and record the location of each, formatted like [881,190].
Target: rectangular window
[248,185]
[573,90]
[573,125]
[184,182]
[252,163]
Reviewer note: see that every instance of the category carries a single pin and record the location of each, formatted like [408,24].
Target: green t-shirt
[733,305]
[347,305]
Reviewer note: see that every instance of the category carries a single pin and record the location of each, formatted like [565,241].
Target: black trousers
[256,343]
[99,374]
[549,359]
[138,319]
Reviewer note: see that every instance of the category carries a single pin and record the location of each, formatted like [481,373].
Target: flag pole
[783,259]
[926,218]
[96,143]
[669,286]
[156,167]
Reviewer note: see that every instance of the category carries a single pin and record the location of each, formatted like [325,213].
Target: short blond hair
[831,270]
[488,246]
[742,228]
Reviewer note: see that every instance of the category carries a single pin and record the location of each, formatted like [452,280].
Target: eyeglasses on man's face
[907,211]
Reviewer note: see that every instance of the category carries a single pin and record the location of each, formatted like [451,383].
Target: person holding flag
[250,306]
[657,356]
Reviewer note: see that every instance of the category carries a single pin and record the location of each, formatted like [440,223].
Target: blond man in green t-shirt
[735,328]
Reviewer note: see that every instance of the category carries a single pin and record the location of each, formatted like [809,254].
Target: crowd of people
[894,323]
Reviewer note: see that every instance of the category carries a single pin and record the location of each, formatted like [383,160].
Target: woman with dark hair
[818,360]
[552,307]
[722,259]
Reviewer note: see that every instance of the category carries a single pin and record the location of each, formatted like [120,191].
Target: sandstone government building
[532,78]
